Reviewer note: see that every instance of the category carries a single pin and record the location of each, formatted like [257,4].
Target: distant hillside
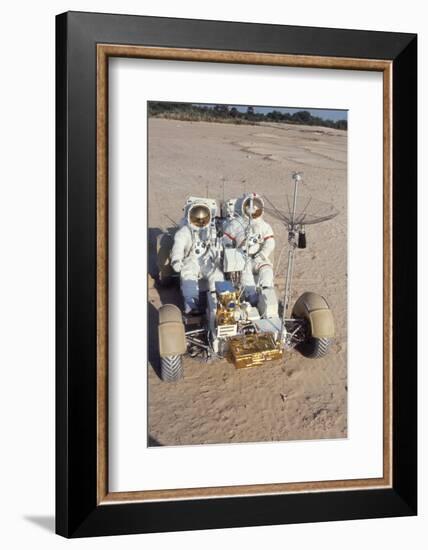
[231,115]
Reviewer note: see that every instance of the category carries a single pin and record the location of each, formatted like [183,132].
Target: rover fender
[315,309]
[172,338]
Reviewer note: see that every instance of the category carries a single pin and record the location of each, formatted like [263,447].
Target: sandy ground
[296,398]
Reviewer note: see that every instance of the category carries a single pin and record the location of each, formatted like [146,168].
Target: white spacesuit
[248,231]
[196,251]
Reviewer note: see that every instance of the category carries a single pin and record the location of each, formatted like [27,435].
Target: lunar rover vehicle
[228,325]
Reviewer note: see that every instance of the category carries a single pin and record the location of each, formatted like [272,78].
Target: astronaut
[248,231]
[196,251]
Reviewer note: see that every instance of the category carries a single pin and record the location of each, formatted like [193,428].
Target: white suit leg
[215,276]
[248,282]
[189,276]
[211,273]
[268,302]
[265,278]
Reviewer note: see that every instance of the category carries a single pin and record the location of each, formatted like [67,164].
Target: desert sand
[292,399]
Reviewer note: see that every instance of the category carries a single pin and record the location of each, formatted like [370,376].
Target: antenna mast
[292,243]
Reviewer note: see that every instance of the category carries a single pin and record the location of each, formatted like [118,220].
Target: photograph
[213,257]
[247,273]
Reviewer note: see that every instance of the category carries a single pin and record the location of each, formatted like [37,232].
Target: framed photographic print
[236,274]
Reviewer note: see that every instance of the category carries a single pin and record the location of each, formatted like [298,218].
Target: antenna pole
[288,279]
[250,220]
[297,176]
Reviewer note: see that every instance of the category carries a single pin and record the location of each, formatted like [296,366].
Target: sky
[332,114]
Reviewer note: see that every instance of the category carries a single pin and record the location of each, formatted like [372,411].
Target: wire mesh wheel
[171,368]
[314,348]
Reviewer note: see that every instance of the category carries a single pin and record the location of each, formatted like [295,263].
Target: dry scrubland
[296,398]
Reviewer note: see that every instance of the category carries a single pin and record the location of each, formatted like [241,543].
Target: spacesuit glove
[177,265]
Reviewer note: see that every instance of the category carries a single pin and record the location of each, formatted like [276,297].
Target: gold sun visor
[199,215]
[252,207]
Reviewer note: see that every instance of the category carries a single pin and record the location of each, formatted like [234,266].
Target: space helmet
[199,215]
[252,206]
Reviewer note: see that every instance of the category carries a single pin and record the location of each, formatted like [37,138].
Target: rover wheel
[171,368]
[315,348]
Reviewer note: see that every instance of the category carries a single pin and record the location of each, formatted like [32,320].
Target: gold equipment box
[253,350]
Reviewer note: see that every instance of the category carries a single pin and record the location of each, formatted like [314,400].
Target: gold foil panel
[253,350]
